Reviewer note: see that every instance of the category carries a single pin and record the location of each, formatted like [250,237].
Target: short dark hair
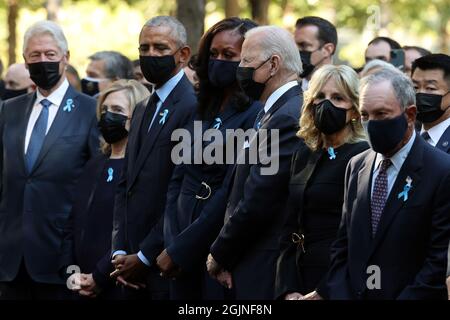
[420,50]
[391,42]
[327,31]
[434,61]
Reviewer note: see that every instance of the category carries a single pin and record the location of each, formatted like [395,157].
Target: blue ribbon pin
[163,116]
[258,125]
[69,105]
[331,153]
[110,175]
[406,189]
[218,123]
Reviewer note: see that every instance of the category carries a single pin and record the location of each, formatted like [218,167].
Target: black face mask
[328,118]
[8,93]
[149,87]
[308,67]
[89,86]
[244,76]
[222,73]
[112,126]
[45,74]
[429,107]
[385,135]
[157,70]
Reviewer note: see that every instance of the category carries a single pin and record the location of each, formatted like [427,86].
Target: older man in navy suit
[141,197]
[395,228]
[244,254]
[431,78]
[45,140]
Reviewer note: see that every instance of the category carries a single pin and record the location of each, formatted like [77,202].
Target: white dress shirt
[55,98]
[277,94]
[164,91]
[397,162]
[436,132]
[305,84]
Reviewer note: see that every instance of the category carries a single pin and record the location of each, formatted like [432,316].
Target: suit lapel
[393,205]
[133,143]
[152,136]
[444,141]
[362,218]
[23,124]
[96,175]
[59,124]
[292,92]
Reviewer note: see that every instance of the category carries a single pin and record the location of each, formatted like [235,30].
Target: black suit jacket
[248,243]
[141,194]
[410,245]
[34,207]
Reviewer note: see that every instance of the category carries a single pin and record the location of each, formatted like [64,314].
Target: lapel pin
[218,123]
[110,175]
[69,105]
[331,153]
[163,116]
[445,144]
[258,125]
[406,189]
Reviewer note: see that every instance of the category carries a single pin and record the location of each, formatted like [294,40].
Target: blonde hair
[347,83]
[134,90]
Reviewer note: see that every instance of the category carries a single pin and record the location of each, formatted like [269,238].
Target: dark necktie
[147,119]
[379,194]
[148,116]
[426,136]
[37,135]
[258,119]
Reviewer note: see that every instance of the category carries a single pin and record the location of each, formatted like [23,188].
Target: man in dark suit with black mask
[395,228]
[46,138]
[141,198]
[244,254]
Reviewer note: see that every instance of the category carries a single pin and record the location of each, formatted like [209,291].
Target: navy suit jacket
[141,195]
[248,242]
[34,207]
[410,246]
[444,142]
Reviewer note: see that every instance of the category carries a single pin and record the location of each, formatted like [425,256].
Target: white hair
[276,40]
[372,65]
[178,31]
[46,28]
[401,84]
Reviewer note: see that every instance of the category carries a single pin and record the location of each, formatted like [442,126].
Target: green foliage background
[93,25]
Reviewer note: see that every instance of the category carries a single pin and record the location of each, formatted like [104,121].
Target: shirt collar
[56,96]
[277,94]
[437,131]
[399,158]
[305,84]
[164,91]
